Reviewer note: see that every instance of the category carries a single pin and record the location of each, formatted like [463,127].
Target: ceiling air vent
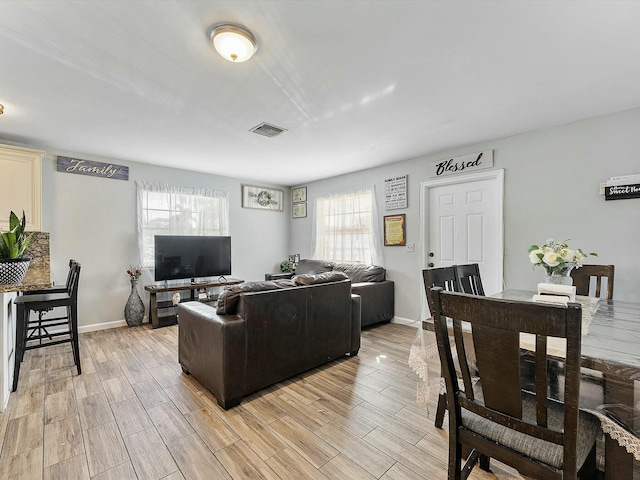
[268,130]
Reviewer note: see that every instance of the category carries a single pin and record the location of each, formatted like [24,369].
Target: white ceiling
[357,84]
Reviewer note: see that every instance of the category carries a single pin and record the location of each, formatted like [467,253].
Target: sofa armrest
[356,309]
[211,347]
[377,301]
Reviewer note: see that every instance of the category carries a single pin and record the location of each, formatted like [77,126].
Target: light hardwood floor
[134,414]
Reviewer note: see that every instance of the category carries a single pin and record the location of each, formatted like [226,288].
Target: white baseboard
[405,321]
[104,326]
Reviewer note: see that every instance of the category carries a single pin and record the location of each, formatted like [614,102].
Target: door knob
[430,265]
[431,254]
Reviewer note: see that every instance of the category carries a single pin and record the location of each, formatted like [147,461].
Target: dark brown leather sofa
[368,281]
[274,335]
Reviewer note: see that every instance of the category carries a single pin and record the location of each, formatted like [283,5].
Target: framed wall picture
[263,198]
[299,210]
[394,230]
[299,194]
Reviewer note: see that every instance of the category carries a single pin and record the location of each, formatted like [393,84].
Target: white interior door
[462,223]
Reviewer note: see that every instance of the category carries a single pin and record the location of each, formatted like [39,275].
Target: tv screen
[187,256]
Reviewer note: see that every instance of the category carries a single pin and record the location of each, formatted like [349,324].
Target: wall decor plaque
[299,210]
[461,164]
[395,192]
[299,194]
[91,168]
[263,198]
[620,192]
[394,230]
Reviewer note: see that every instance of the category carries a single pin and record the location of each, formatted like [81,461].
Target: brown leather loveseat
[267,336]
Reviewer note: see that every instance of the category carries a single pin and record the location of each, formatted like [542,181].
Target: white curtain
[346,228]
[168,210]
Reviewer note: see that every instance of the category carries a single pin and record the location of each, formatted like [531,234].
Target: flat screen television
[189,256]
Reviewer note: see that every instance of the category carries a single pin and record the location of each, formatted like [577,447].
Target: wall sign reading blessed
[462,164]
[91,168]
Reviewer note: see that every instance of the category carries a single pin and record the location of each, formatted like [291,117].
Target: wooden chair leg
[75,342]
[21,321]
[441,409]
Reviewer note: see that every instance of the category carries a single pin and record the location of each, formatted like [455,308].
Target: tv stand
[162,314]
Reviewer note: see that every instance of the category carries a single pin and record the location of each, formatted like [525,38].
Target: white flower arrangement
[557,257]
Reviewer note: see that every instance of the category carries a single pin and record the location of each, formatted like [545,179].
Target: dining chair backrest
[582,280]
[73,280]
[469,279]
[523,429]
[443,277]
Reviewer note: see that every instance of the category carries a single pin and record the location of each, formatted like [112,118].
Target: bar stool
[66,326]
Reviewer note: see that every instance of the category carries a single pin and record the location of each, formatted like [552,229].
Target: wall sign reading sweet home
[462,164]
[91,168]
[619,192]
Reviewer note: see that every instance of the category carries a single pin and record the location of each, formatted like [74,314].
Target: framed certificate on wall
[299,194]
[394,231]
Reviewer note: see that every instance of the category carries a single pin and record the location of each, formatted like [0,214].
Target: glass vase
[561,276]
[134,309]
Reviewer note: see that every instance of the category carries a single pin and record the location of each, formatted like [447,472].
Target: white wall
[551,190]
[94,221]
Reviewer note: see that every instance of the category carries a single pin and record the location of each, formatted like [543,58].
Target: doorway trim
[497,176]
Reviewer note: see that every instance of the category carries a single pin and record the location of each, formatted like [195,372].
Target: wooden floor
[133,414]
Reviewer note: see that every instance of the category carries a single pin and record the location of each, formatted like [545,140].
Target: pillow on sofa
[307,265]
[285,283]
[362,273]
[315,278]
[229,298]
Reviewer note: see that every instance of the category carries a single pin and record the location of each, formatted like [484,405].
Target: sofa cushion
[307,265]
[229,298]
[362,273]
[315,278]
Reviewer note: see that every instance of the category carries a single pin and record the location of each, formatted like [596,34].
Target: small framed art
[299,194]
[263,198]
[394,230]
[299,210]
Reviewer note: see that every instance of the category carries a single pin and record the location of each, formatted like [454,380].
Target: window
[346,228]
[168,210]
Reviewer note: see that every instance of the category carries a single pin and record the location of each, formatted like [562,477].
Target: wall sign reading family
[462,164]
[91,168]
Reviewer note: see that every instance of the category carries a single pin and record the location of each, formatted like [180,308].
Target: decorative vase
[13,270]
[560,276]
[134,309]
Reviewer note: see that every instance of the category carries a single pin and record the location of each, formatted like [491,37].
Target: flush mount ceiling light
[233,42]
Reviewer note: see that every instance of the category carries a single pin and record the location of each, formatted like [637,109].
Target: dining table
[610,353]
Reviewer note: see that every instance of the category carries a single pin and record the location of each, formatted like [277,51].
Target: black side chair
[495,417]
[582,279]
[447,279]
[469,279]
[57,330]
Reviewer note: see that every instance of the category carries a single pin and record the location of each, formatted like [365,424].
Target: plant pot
[13,270]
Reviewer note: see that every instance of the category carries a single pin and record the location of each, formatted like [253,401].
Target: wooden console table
[162,314]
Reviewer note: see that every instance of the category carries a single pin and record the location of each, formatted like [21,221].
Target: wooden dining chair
[469,279]
[582,279]
[494,417]
[447,279]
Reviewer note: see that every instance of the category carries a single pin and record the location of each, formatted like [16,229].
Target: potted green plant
[13,244]
[286,266]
